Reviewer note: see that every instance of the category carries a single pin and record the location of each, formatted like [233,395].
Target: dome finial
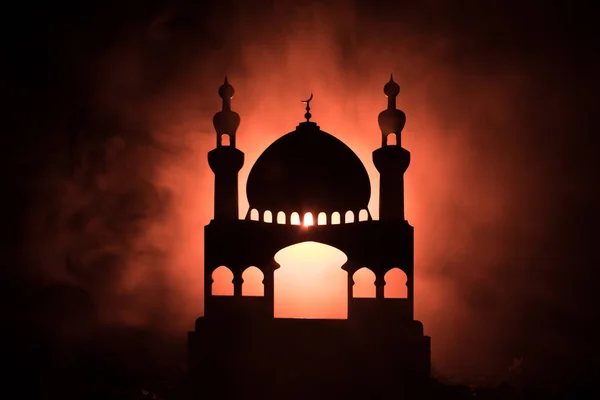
[308,115]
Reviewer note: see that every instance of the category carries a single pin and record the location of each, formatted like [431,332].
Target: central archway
[311,282]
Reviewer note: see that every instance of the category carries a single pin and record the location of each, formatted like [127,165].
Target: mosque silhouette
[239,349]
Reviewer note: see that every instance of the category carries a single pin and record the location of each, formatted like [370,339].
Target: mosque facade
[308,186]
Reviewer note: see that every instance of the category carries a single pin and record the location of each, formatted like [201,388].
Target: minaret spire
[226,122]
[391,120]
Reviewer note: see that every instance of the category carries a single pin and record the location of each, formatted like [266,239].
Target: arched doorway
[310,282]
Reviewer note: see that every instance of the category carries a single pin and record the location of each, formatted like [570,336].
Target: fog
[121,187]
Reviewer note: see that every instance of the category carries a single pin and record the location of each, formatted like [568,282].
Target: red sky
[487,121]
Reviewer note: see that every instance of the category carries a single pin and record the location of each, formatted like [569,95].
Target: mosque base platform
[308,359]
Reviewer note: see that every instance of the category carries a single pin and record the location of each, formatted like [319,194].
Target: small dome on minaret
[391,89]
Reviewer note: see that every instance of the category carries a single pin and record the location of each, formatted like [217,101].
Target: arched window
[349,217]
[391,139]
[225,140]
[281,217]
[363,215]
[268,216]
[295,219]
[222,282]
[395,284]
[364,283]
[335,218]
[322,219]
[254,214]
[308,219]
[253,282]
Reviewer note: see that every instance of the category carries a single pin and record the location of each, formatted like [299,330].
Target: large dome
[308,170]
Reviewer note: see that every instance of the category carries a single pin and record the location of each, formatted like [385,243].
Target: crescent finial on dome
[308,115]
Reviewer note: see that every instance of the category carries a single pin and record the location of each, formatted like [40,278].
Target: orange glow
[310,282]
[253,282]
[222,282]
[391,139]
[364,283]
[445,141]
[477,188]
[395,286]
[225,140]
[308,219]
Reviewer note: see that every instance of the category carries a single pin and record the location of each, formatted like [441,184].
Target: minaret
[391,160]
[226,161]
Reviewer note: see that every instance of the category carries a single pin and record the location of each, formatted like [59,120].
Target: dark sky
[514,82]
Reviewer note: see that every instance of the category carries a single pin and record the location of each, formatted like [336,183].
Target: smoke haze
[118,187]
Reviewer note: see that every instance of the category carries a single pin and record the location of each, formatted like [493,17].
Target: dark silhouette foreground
[308,186]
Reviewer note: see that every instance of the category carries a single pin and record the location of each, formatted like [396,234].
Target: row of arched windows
[223,282]
[364,283]
[308,219]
